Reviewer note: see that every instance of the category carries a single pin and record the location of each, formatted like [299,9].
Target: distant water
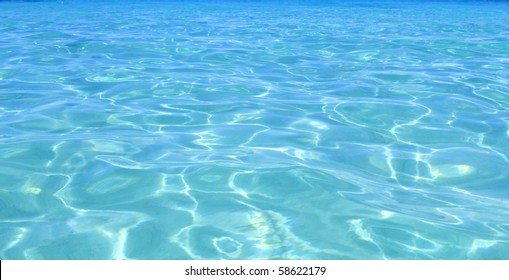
[250,130]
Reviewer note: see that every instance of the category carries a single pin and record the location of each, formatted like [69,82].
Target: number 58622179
[302,270]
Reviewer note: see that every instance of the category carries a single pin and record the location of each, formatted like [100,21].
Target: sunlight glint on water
[254,131]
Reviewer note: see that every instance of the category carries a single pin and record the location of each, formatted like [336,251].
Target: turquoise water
[251,130]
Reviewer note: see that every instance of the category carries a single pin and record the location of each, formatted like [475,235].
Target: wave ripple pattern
[254,131]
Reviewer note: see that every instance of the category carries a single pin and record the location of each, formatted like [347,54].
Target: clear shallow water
[254,131]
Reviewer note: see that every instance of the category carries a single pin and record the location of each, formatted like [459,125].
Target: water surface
[251,130]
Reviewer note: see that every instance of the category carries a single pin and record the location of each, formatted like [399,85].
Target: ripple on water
[218,131]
